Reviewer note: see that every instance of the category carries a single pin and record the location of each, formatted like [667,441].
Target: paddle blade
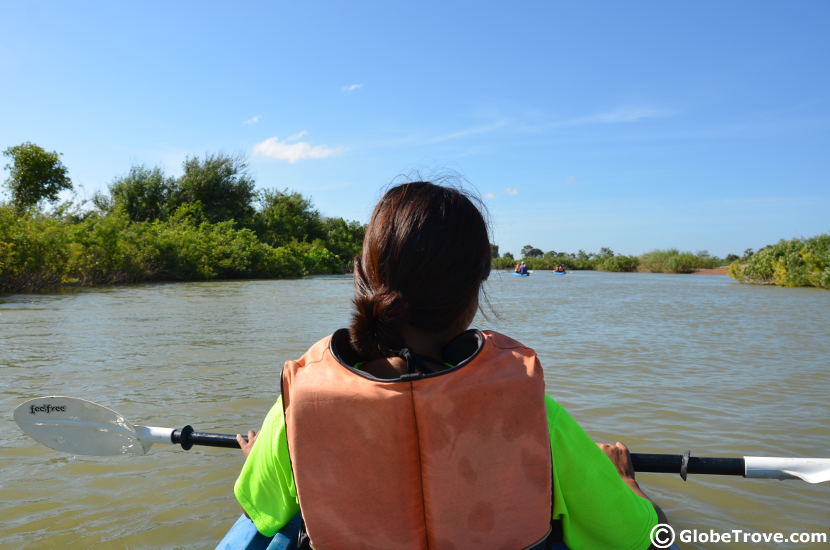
[811,470]
[78,427]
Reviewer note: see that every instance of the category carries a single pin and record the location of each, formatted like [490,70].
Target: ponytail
[376,324]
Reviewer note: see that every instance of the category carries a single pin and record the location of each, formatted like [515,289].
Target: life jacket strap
[418,365]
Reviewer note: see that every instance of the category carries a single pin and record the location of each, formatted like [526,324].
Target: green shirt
[597,509]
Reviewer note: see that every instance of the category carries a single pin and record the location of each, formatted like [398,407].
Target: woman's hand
[246,446]
[621,458]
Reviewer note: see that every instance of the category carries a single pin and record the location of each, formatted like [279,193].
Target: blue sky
[632,125]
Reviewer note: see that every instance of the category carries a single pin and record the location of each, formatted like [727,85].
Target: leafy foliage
[34,251]
[35,175]
[223,186]
[286,216]
[152,227]
[673,261]
[344,239]
[658,261]
[618,263]
[529,251]
[797,262]
[144,194]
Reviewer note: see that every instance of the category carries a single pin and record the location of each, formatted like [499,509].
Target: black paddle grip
[659,463]
[187,437]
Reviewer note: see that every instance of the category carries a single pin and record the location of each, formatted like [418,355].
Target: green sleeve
[265,486]
[597,509]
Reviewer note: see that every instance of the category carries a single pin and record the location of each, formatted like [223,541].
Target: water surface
[663,362]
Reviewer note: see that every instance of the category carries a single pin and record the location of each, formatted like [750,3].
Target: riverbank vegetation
[209,223]
[657,261]
[796,262]
[213,223]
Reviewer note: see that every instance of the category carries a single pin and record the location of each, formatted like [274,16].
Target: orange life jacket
[455,459]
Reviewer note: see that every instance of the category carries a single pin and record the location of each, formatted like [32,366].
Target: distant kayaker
[409,430]
[523,268]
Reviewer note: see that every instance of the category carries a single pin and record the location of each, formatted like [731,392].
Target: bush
[210,251]
[618,263]
[109,250]
[316,258]
[672,261]
[34,251]
[797,262]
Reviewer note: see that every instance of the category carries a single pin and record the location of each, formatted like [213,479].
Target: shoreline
[713,271]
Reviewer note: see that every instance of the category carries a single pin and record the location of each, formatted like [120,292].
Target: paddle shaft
[642,462]
[673,464]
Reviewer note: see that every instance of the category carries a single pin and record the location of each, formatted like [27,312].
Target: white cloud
[618,116]
[571,180]
[253,120]
[292,152]
[508,191]
[351,88]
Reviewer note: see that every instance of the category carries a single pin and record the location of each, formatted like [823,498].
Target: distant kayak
[521,274]
[559,272]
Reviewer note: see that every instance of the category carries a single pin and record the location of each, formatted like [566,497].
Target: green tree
[223,186]
[494,250]
[35,175]
[342,238]
[287,216]
[144,194]
[529,251]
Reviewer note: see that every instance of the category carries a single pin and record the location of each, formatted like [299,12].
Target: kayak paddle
[81,427]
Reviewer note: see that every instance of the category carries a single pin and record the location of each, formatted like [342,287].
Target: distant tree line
[209,223]
[658,261]
[793,263]
[212,222]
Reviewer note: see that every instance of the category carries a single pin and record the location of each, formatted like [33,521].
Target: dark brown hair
[425,254]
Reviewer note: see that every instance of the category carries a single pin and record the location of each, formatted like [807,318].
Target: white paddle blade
[78,427]
[811,470]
